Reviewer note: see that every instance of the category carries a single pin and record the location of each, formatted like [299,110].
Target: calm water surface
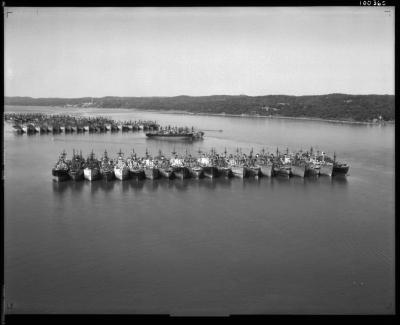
[206,247]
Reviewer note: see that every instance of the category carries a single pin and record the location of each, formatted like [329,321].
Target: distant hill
[363,108]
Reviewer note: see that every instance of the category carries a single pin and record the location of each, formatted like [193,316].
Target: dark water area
[201,247]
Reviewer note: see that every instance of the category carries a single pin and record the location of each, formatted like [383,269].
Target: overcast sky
[76,52]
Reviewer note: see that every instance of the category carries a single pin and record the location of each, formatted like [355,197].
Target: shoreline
[229,115]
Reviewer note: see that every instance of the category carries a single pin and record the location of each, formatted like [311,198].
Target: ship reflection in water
[185,184]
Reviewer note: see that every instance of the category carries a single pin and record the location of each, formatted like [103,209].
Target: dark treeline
[366,108]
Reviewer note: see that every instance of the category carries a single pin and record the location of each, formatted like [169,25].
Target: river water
[201,247]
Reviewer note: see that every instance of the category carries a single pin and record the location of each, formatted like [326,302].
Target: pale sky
[96,52]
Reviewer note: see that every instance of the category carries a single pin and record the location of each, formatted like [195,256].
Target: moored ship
[298,167]
[179,168]
[60,170]
[106,167]
[175,133]
[76,167]
[136,169]
[209,166]
[91,171]
[340,168]
[121,170]
[164,168]
[150,167]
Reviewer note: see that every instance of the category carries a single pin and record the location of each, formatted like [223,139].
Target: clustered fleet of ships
[210,164]
[41,123]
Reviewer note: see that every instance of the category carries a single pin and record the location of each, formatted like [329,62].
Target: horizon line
[213,95]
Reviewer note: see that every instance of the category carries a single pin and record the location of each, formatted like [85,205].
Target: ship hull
[299,171]
[76,175]
[196,172]
[29,129]
[254,171]
[210,171]
[166,173]
[121,173]
[151,173]
[326,170]
[225,171]
[181,172]
[91,174]
[266,170]
[18,130]
[239,171]
[107,175]
[137,173]
[282,171]
[340,170]
[312,170]
[60,175]
[171,136]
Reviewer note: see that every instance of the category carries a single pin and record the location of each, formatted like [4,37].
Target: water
[201,247]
